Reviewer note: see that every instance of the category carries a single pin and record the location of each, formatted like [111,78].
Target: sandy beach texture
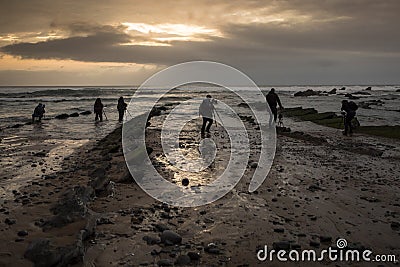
[322,186]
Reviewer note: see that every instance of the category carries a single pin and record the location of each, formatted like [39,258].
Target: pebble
[9,221]
[22,233]
[212,249]
[194,256]
[185,182]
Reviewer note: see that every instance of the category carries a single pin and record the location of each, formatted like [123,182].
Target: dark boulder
[332,92]
[62,116]
[169,237]
[75,114]
[87,112]
[308,92]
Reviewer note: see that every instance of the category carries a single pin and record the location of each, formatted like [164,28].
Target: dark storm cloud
[327,39]
[246,42]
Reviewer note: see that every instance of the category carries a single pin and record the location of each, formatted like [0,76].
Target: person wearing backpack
[38,112]
[349,112]
[206,110]
[121,107]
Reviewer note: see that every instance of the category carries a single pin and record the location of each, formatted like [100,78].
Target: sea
[19,140]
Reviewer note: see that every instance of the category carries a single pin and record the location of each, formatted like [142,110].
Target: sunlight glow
[167,32]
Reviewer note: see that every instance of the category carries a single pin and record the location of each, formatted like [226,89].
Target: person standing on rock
[98,109]
[349,112]
[273,101]
[206,110]
[121,109]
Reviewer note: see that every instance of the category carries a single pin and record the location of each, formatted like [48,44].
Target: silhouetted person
[206,110]
[98,109]
[273,101]
[349,112]
[121,109]
[38,112]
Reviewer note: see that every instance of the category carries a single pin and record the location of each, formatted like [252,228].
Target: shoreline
[321,187]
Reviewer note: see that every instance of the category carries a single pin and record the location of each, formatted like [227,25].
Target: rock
[370,199]
[281,245]
[367,104]
[194,256]
[332,92]
[308,92]
[87,112]
[99,180]
[212,249]
[253,165]
[151,240]
[75,114]
[9,221]
[41,254]
[243,105]
[18,125]
[369,88]
[395,226]
[314,244]
[183,260]
[165,262]
[314,188]
[398,90]
[22,233]
[343,88]
[161,227]
[325,239]
[71,207]
[169,237]
[40,154]
[102,220]
[350,96]
[156,111]
[185,181]
[62,116]
[281,129]
[279,230]
[361,93]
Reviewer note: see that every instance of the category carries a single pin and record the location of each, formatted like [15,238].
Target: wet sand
[322,187]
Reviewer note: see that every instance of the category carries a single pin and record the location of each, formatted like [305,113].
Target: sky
[124,42]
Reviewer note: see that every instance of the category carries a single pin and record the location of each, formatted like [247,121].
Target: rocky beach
[322,187]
